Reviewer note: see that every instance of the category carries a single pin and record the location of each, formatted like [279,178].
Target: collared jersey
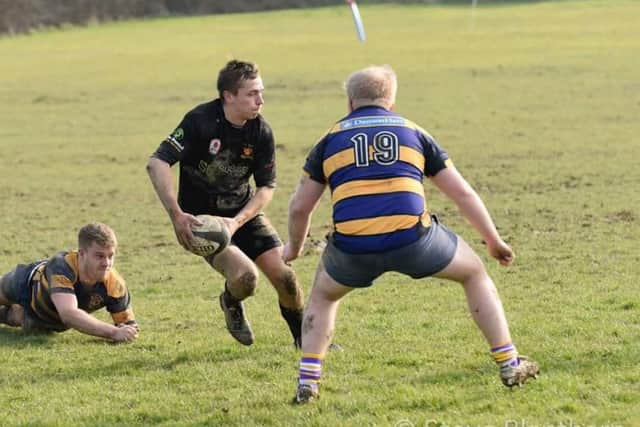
[374,162]
[217,159]
[60,274]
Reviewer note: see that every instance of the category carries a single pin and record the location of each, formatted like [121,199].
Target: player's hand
[231,224]
[125,333]
[501,251]
[130,323]
[288,254]
[182,223]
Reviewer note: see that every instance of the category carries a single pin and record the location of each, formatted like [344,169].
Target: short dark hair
[96,232]
[230,78]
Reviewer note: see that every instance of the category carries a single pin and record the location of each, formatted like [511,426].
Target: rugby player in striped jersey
[374,161]
[59,293]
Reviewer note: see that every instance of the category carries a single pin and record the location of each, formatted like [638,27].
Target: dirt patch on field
[621,216]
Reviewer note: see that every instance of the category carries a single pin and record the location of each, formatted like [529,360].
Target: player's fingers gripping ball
[211,237]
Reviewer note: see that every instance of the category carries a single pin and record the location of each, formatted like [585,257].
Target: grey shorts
[432,252]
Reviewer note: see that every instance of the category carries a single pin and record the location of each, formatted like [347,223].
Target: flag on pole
[357,20]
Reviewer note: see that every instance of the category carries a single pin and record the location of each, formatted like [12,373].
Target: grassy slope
[537,105]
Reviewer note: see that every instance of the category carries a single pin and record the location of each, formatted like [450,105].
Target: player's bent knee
[15,316]
[245,285]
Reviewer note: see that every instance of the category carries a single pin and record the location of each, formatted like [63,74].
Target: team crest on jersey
[95,302]
[175,139]
[214,146]
[178,134]
[247,152]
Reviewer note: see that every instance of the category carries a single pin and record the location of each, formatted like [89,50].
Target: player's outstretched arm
[301,206]
[73,317]
[163,183]
[454,186]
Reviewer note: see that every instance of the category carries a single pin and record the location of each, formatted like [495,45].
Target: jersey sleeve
[435,157]
[172,148]
[118,302]
[264,172]
[313,165]
[61,273]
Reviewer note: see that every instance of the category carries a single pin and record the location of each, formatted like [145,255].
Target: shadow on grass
[15,338]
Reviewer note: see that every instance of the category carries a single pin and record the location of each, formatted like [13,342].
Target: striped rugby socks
[505,355]
[310,370]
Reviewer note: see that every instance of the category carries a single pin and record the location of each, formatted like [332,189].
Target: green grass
[538,107]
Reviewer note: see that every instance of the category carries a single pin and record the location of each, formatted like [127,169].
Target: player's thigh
[232,263]
[325,288]
[464,265]
[272,265]
[8,285]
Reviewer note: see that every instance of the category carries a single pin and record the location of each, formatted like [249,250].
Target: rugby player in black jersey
[58,293]
[220,145]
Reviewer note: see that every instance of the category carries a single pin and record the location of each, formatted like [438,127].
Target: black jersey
[217,159]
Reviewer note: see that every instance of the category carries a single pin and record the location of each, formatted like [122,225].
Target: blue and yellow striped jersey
[60,274]
[374,162]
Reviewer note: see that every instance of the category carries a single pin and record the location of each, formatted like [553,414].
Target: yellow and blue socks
[506,355]
[310,370]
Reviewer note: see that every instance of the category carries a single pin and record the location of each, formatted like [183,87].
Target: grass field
[536,104]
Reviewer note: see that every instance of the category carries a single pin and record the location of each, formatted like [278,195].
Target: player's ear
[350,105]
[226,95]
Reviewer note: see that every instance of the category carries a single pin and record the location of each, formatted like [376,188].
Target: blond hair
[96,232]
[374,85]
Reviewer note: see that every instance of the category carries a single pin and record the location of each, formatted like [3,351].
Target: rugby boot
[518,375]
[305,394]
[237,323]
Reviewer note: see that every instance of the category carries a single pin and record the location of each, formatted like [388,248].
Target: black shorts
[432,252]
[256,237]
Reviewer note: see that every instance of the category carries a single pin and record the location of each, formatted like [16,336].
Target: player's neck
[232,117]
[84,277]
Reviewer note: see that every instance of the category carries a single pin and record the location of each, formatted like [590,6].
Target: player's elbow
[464,194]
[154,165]
[68,318]
[151,165]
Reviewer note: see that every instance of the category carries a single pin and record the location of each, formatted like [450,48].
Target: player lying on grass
[374,162]
[59,293]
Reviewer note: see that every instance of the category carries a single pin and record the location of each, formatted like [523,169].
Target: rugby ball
[211,237]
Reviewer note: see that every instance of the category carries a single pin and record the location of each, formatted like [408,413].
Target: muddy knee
[244,286]
[288,289]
